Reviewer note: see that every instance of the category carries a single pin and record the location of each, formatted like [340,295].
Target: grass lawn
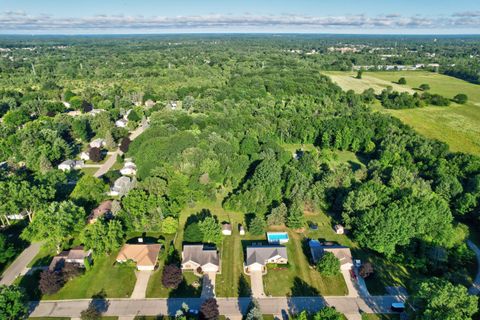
[377,316]
[293,147]
[43,257]
[299,279]
[191,287]
[116,280]
[456,125]
[89,171]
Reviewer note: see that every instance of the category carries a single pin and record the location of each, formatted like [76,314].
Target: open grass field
[456,125]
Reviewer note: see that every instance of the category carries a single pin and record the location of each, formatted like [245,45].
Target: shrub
[424,87]
[124,145]
[209,310]
[50,282]
[95,154]
[328,265]
[460,98]
[402,80]
[171,276]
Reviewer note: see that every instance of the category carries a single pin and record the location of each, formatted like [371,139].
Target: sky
[240,16]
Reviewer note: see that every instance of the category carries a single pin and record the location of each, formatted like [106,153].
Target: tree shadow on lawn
[29,283]
[186,290]
[244,289]
[302,289]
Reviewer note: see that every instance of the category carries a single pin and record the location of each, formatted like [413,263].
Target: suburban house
[17,216]
[342,253]
[104,208]
[85,155]
[172,105]
[97,143]
[68,165]
[129,168]
[121,186]
[75,256]
[149,103]
[144,255]
[227,229]
[121,123]
[259,256]
[199,258]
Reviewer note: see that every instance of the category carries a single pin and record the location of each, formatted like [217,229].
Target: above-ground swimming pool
[277,237]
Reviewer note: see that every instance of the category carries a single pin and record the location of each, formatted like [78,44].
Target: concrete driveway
[20,264]
[208,285]
[139,292]
[351,286]
[256,279]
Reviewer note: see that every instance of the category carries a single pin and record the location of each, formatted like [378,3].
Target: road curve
[22,261]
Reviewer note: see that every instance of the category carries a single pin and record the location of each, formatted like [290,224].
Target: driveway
[139,292]
[475,288]
[256,279]
[20,264]
[351,286]
[208,285]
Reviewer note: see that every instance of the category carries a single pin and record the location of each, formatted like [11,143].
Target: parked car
[398,307]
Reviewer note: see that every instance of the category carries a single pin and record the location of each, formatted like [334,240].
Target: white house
[68,165]
[339,229]
[121,186]
[197,257]
[129,168]
[85,155]
[121,123]
[97,143]
[259,256]
[76,256]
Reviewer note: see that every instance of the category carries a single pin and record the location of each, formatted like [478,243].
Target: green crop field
[457,125]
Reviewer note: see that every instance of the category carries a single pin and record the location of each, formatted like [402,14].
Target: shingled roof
[262,254]
[199,254]
[143,254]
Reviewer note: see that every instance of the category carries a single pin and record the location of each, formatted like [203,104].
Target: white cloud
[18,21]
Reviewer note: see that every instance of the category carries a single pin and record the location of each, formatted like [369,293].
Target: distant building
[241,230]
[149,103]
[75,256]
[97,143]
[121,123]
[85,155]
[104,208]
[339,229]
[68,165]
[121,186]
[129,168]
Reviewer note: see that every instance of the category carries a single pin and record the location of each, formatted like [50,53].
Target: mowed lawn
[299,278]
[456,125]
[115,280]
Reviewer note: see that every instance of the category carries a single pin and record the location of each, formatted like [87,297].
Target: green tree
[424,87]
[193,233]
[56,224]
[402,80]
[257,226]
[295,218]
[103,236]
[329,265]
[169,225]
[328,313]
[460,98]
[254,312]
[278,215]
[89,191]
[439,299]
[7,250]
[109,141]
[211,230]
[13,303]
[81,129]
[359,74]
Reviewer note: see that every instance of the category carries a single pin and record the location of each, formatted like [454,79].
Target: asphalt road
[475,288]
[230,307]
[17,267]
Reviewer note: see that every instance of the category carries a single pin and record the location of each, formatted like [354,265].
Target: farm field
[456,125]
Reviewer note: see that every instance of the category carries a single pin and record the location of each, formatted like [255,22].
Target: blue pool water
[277,237]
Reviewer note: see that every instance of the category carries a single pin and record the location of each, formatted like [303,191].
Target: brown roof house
[342,253]
[199,258]
[259,256]
[104,208]
[75,256]
[144,255]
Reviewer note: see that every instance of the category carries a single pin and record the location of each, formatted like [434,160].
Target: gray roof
[260,254]
[342,253]
[199,254]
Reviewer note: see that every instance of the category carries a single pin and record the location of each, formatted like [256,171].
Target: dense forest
[244,100]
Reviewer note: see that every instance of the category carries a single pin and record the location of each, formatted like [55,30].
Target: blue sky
[322,16]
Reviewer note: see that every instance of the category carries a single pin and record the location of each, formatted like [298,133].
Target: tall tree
[13,303]
[104,236]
